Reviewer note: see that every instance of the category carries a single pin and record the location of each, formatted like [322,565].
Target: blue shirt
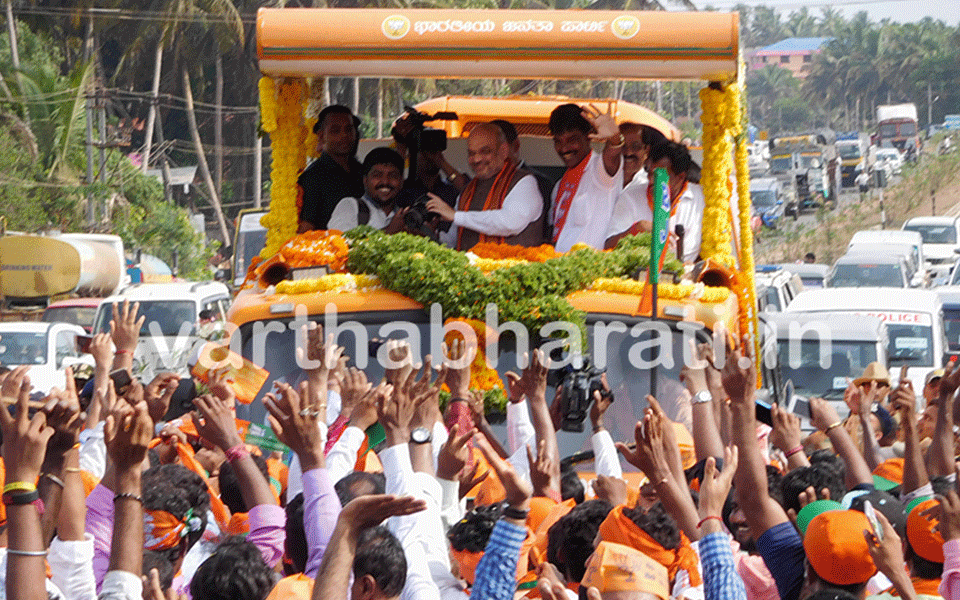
[720,578]
[782,550]
[496,574]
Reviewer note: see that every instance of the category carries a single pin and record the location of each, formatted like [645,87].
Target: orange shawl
[618,528]
[494,200]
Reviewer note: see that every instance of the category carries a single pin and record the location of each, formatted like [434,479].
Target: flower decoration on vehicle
[333,283]
[316,249]
[268,104]
[289,157]
[496,251]
[672,291]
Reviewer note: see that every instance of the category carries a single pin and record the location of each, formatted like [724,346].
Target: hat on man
[836,548]
[618,568]
[887,504]
[888,474]
[934,374]
[874,372]
[925,540]
[812,510]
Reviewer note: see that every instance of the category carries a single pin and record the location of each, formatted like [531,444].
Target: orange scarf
[620,529]
[220,511]
[494,200]
[163,531]
[673,203]
[566,190]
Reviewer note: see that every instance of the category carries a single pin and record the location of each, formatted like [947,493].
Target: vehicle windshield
[951,327]
[811,281]
[249,244]
[849,151]
[763,197]
[888,156]
[846,360]
[908,129]
[76,315]
[910,345]
[780,164]
[806,161]
[888,130]
[935,234]
[274,351]
[162,317]
[23,348]
[866,275]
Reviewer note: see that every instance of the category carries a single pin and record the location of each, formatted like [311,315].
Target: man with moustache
[500,204]
[585,195]
[382,180]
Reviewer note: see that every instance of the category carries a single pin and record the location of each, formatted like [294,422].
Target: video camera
[576,393]
[418,215]
[422,138]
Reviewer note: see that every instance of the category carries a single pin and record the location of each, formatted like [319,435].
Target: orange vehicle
[396,283]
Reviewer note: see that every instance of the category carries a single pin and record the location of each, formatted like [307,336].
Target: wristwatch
[421,435]
[702,397]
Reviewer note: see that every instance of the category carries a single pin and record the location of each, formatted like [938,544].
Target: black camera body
[418,215]
[576,393]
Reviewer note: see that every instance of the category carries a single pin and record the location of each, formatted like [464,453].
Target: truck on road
[897,127]
[853,157]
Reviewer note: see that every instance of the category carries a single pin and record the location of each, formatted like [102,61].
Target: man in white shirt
[382,181]
[583,199]
[501,203]
[634,211]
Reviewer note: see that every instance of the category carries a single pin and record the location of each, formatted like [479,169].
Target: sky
[902,11]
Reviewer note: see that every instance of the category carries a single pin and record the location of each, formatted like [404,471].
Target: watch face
[420,435]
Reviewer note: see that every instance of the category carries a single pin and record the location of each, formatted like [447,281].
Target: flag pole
[658,241]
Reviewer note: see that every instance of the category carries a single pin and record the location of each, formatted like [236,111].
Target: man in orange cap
[924,549]
[620,572]
[837,552]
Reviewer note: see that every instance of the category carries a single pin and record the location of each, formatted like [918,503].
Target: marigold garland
[268,104]
[488,265]
[336,283]
[482,376]
[316,248]
[494,250]
[682,291]
[718,119]
[289,158]
[746,288]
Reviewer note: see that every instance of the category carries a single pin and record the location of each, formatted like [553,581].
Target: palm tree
[800,24]
[766,26]
[768,84]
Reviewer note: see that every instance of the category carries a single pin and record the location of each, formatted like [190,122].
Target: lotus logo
[395,26]
[625,26]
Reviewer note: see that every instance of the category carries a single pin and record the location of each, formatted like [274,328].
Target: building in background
[792,54]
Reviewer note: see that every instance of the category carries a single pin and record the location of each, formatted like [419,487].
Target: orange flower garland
[482,377]
[316,248]
[507,251]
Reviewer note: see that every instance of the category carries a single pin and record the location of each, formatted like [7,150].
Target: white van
[248,242]
[913,318]
[887,236]
[941,238]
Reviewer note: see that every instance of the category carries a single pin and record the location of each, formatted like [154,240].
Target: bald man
[502,203]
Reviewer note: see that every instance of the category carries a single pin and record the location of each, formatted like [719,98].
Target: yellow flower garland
[337,282]
[682,291]
[268,104]
[289,157]
[717,122]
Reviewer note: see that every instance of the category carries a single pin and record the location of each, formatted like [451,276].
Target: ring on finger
[305,412]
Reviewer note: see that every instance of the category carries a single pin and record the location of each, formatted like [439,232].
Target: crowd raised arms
[110,492]
[600,198]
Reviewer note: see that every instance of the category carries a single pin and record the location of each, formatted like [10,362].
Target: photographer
[382,180]
[430,161]
[502,203]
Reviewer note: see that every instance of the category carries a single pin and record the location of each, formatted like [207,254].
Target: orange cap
[294,587]
[618,568]
[539,510]
[925,541]
[620,529]
[891,469]
[836,548]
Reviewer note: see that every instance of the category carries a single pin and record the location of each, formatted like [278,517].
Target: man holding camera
[501,203]
[382,180]
[336,173]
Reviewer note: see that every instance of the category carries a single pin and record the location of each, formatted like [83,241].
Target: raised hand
[518,490]
[159,392]
[368,511]
[454,454]
[101,349]
[715,486]
[950,380]
[127,433]
[905,400]
[458,379]
[611,489]
[125,326]
[603,122]
[739,373]
[24,438]
[215,422]
[544,472]
[822,414]
[296,424]
[353,387]
[601,402]
[786,432]
[396,412]
[63,415]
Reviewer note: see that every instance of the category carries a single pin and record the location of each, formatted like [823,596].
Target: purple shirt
[321,507]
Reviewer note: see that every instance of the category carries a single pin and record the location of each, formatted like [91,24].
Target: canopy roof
[524,44]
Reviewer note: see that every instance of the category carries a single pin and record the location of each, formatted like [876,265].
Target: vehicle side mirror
[816,163]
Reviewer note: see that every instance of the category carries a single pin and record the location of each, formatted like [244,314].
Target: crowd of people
[113,491]
[600,198]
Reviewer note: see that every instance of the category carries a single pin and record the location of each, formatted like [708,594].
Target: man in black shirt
[336,174]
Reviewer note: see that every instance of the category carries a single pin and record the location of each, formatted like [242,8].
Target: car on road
[78,311]
[890,160]
[941,241]
[822,353]
[950,297]
[47,348]
[177,316]
[869,270]
[915,258]
[915,337]
[776,288]
[812,275]
[767,201]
